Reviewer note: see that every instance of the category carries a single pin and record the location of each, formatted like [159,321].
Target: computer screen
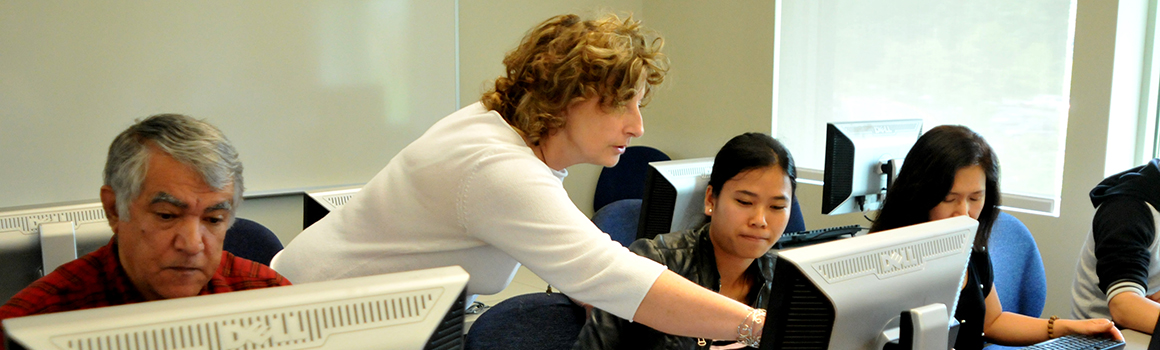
[420,309]
[317,203]
[855,178]
[674,196]
[73,230]
[850,293]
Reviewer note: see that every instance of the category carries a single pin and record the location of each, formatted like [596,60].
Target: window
[1001,68]
[1149,146]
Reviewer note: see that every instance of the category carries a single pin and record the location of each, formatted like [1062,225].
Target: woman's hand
[1095,326]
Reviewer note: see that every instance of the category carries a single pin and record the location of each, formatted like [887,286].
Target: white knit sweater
[470,192]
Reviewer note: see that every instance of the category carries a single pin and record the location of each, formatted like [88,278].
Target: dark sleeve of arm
[1122,230]
[648,248]
[601,331]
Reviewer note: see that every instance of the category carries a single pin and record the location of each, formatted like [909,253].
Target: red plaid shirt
[97,279]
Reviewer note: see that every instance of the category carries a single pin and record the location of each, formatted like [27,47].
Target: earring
[710,210]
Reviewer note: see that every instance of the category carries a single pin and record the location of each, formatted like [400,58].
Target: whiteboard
[312,93]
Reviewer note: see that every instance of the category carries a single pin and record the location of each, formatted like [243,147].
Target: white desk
[1135,340]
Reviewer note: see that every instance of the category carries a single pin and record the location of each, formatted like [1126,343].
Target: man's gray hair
[190,141]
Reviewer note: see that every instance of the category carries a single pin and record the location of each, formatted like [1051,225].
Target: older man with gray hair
[172,187]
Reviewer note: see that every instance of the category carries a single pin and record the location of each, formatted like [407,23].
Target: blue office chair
[530,321]
[626,179]
[1019,275]
[252,241]
[619,219]
[797,222]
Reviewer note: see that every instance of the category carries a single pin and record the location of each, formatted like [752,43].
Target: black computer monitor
[861,160]
[1154,340]
[851,293]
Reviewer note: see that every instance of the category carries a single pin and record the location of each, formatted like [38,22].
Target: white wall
[487,30]
[1060,238]
[721,81]
[305,90]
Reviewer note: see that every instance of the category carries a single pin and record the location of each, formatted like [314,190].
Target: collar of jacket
[711,278]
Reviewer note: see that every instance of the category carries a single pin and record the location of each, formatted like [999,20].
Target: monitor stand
[919,329]
[58,244]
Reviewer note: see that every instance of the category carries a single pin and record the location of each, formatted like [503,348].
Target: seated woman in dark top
[748,204]
[952,171]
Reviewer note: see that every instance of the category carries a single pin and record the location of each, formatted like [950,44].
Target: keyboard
[801,238]
[1078,342]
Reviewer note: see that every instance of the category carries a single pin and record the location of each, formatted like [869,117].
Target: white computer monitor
[850,294]
[420,309]
[317,203]
[862,158]
[674,196]
[35,240]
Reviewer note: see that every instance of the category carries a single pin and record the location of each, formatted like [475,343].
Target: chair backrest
[1019,274]
[251,241]
[626,179]
[619,220]
[797,222]
[530,321]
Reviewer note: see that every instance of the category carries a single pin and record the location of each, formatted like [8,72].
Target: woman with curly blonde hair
[482,188]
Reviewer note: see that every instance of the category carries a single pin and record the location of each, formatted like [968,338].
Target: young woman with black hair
[748,203]
[952,171]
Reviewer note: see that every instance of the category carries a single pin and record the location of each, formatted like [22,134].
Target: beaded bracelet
[746,330]
[1051,326]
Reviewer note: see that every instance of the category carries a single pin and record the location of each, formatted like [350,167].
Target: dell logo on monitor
[898,260]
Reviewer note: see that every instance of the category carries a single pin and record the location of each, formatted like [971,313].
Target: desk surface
[1135,340]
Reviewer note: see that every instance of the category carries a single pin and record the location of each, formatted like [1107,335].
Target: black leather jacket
[689,253]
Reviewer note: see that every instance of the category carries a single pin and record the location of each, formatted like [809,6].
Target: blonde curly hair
[565,60]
